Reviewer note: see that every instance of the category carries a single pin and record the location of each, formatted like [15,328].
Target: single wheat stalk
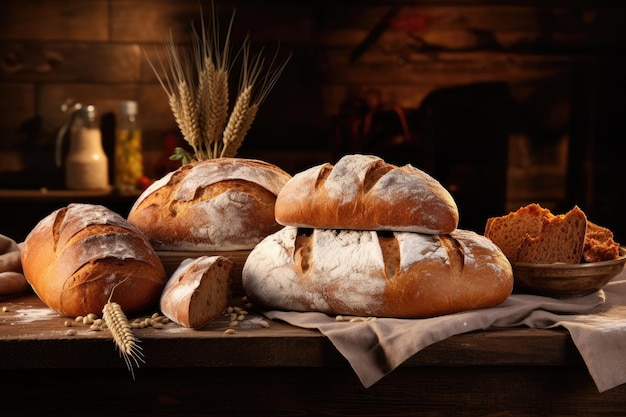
[218,110]
[126,341]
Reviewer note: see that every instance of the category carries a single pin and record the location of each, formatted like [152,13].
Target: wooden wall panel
[70,62]
[54,20]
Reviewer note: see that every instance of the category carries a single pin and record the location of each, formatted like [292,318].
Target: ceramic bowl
[566,280]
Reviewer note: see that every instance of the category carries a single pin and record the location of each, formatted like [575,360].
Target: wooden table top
[35,336]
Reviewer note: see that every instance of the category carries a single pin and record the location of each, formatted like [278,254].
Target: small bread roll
[198,291]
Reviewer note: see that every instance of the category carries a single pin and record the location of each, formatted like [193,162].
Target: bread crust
[561,239]
[80,256]
[509,231]
[198,291]
[384,274]
[363,192]
[219,204]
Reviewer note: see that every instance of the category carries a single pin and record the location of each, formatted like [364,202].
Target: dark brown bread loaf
[368,273]
[362,192]
[81,255]
[218,204]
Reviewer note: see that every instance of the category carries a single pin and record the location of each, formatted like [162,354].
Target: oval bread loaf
[79,256]
[363,192]
[198,291]
[218,204]
[384,274]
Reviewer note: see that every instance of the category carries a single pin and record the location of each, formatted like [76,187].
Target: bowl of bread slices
[557,255]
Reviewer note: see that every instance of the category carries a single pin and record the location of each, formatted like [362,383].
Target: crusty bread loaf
[599,244]
[79,256]
[363,192]
[218,204]
[198,291]
[369,273]
[509,231]
[560,240]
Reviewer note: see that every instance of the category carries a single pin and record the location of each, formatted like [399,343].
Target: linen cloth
[12,280]
[596,323]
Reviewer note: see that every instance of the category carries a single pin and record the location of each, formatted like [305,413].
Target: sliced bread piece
[509,231]
[198,291]
[599,244]
[560,240]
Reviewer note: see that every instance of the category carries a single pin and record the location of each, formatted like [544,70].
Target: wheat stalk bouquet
[197,84]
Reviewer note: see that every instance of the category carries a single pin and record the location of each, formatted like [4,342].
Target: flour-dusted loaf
[198,291]
[363,192]
[80,256]
[369,273]
[218,204]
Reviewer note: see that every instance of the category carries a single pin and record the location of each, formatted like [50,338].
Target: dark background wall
[505,102]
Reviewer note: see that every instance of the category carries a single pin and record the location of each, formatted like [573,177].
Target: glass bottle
[86,166]
[128,161]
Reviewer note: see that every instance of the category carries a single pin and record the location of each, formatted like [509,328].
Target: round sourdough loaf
[384,274]
[218,204]
[82,255]
[363,192]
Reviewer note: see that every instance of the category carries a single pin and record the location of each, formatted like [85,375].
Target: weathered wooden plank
[55,20]
[443,69]
[74,62]
[489,27]
[17,103]
[132,21]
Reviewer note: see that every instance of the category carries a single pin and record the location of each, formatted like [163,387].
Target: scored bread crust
[198,291]
[218,204]
[363,192]
[369,273]
[80,256]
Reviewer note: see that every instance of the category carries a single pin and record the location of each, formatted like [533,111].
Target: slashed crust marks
[455,254]
[325,171]
[59,219]
[375,172]
[303,249]
[390,249]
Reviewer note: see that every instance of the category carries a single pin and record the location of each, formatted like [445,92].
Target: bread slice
[599,244]
[509,231]
[561,239]
[198,291]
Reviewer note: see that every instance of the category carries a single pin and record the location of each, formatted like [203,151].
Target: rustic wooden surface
[284,371]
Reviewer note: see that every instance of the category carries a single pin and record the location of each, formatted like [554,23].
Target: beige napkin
[12,279]
[596,322]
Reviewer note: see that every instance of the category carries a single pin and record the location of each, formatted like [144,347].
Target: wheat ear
[126,341]
[212,65]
